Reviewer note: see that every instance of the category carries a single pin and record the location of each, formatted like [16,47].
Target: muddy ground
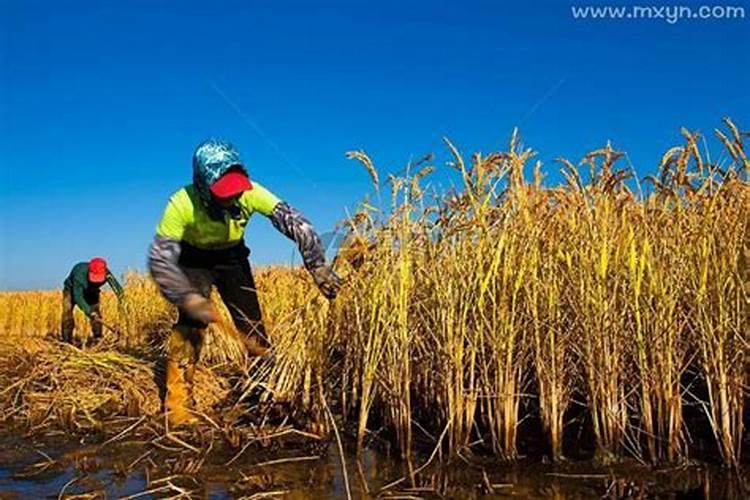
[55,467]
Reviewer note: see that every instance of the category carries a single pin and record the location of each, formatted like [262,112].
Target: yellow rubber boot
[177,401]
[184,345]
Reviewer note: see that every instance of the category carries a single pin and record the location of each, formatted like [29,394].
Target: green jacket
[77,283]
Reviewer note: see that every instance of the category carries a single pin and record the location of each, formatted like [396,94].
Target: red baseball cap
[97,270]
[231,184]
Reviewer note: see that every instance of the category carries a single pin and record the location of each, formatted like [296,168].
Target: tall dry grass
[462,306]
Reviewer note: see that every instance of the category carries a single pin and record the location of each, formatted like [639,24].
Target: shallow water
[25,472]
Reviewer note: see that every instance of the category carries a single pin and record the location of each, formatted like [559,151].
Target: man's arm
[292,224]
[115,285]
[163,262]
[164,253]
[79,299]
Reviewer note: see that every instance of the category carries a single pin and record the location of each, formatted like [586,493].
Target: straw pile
[48,385]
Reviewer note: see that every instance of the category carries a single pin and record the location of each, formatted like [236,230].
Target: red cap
[97,270]
[231,184]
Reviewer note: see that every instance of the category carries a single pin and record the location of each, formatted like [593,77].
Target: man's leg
[96,322]
[67,323]
[183,352]
[237,289]
[91,296]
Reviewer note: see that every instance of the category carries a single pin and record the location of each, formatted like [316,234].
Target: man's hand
[327,280]
[200,308]
[255,347]
[95,317]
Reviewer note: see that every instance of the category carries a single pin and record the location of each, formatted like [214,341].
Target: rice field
[604,318]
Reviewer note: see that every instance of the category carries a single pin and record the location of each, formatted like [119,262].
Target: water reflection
[26,473]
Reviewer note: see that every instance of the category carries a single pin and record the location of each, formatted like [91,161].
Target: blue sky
[102,104]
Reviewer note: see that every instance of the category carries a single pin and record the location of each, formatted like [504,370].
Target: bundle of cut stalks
[50,385]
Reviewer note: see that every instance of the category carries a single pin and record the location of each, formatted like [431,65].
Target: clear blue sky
[102,104]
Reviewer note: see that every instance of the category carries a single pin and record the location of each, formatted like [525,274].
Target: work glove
[328,281]
[255,347]
[200,308]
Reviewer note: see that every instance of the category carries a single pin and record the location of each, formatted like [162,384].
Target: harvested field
[598,320]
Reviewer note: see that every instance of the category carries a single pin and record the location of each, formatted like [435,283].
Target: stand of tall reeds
[463,304]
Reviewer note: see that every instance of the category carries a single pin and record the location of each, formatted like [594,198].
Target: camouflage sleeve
[163,258]
[115,285]
[292,224]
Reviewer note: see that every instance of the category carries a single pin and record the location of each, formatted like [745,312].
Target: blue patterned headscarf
[211,160]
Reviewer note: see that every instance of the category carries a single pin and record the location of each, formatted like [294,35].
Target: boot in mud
[177,401]
[184,346]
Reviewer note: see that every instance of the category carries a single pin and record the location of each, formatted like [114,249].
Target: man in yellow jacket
[199,244]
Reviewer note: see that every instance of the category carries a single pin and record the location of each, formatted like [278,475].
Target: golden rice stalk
[735,131]
[458,163]
[367,162]
[416,191]
[727,144]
